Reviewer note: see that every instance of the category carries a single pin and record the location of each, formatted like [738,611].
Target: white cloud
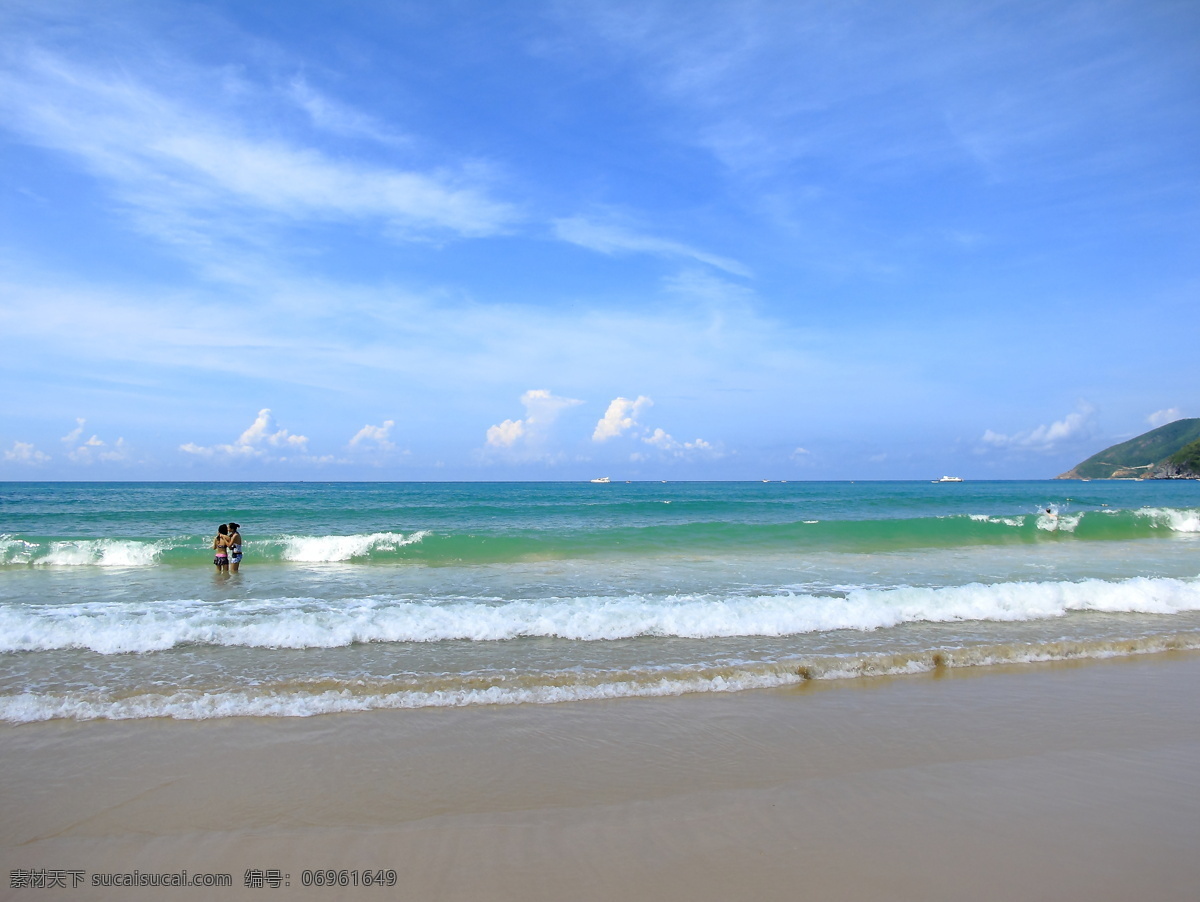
[73,436]
[117,451]
[1045,437]
[337,118]
[541,410]
[95,448]
[254,442]
[620,417]
[505,435]
[84,454]
[26,453]
[610,239]
[259,432]
[374,436]
[315,334]
[763,86]
[1162,417]
[192,171]
[664,441]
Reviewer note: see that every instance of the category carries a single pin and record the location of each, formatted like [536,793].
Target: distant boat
[947,479]
[602,479]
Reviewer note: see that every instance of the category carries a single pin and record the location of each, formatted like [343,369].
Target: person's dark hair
[222,530]
[234,526]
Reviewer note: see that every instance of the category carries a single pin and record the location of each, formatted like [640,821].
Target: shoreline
[1070,779]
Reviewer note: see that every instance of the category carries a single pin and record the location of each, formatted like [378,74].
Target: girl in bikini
[235,547]
[221,548]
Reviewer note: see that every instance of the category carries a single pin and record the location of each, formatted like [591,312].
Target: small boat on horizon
[947,479]
[602,479]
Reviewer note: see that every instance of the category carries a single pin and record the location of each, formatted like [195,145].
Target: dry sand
[1039,782]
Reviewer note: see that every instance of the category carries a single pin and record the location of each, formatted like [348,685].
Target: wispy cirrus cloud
[911,88]
[338,118]
[607,238]
[186,167]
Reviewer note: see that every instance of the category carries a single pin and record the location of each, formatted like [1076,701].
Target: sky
[562,240]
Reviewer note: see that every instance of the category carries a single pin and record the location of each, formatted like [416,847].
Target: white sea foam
[111,628]
[267,702]
[201,706]
[1056,522]
[329,549]
[1002,521]
[96,553]
[16,551]
[1176,520]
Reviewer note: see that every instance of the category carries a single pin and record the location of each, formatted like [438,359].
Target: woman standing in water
[235,547]
[221,549]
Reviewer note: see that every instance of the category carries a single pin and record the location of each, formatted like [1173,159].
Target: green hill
[1187,458]
[1168,452]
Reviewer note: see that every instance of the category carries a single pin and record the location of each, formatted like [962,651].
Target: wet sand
[1067,781]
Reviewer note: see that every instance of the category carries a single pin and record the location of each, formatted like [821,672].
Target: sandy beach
[1063,781]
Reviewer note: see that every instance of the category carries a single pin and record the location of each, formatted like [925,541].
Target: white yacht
[947,479]
[602,479]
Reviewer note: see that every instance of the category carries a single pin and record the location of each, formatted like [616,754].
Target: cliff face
[1168,452]
[1170,471]
[1183,464]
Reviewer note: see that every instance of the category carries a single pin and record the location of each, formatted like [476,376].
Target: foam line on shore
[357,696]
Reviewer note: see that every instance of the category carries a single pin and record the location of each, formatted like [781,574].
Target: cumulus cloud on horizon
[377,437]
[664,441]
[542,408]
[255,442]
[1045,437]
[95,448]
[621,416]
[26,453]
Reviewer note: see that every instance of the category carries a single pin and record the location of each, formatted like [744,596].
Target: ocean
[359,596]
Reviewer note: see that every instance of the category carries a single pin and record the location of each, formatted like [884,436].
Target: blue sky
[487,240]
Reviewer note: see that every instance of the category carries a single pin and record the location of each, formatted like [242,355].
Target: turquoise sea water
[356,596]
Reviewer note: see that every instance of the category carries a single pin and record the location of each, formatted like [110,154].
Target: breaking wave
[122,627]
[433,547]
